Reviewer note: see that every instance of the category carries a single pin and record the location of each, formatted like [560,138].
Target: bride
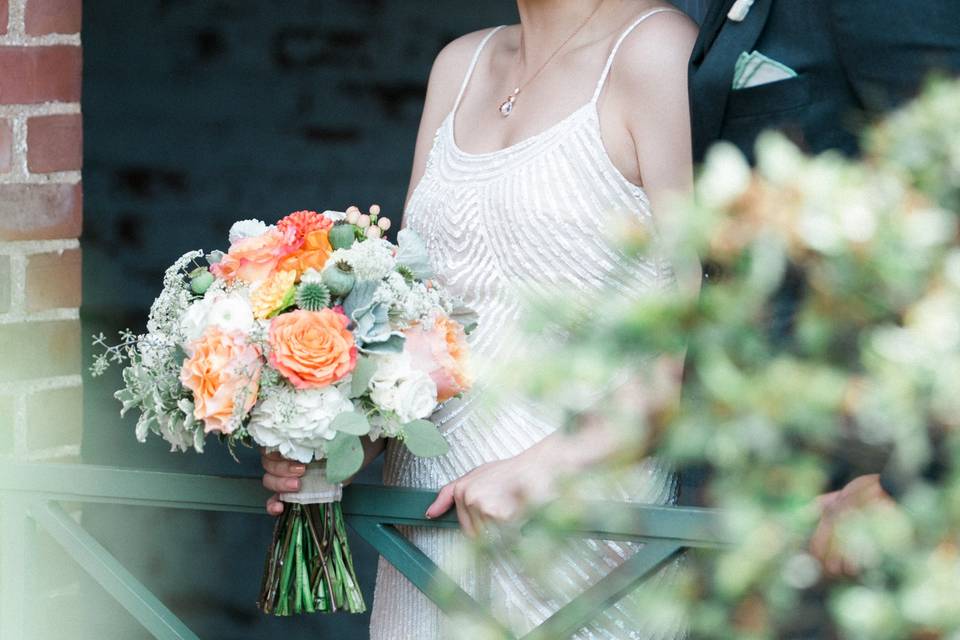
[533,138]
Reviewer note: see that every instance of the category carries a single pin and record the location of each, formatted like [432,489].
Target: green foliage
[344,457]
[785,392]
[423,439]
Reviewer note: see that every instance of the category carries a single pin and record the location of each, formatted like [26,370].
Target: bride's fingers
[280,484]
[274,505]
[442,503]
[284,468]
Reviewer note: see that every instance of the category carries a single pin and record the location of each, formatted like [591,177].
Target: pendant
[506,107]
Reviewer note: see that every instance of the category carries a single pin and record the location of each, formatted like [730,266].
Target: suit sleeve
[889,48]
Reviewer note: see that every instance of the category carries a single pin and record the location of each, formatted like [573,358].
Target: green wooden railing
[31,496]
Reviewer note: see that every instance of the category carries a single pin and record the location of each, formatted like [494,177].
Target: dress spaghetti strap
[616,47]
[473,65]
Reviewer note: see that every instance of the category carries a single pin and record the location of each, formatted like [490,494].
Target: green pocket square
[754,69]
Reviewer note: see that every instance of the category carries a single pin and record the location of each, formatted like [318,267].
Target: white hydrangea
[247,229]
[399,388]
[371,259]
[297,423]
[230,312]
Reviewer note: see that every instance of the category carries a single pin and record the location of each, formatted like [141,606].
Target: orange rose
[254,259]
[440,349]
[312,348]
[223,369]
[312,255]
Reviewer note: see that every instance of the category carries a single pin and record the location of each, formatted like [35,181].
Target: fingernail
[293,485]
[299,468]
[427,516]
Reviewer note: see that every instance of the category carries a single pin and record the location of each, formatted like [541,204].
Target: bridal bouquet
[303,337]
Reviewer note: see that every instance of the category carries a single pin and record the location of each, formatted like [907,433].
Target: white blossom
[231,312]
[247,229]
[371,259]
[399,388]
[297,423]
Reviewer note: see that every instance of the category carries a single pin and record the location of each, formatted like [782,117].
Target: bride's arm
[647,98]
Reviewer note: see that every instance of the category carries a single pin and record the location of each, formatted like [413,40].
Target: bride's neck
[544,24]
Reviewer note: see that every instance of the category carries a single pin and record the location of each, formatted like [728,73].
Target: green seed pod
[313,296]
[342,236]
[339,278]
[200,280]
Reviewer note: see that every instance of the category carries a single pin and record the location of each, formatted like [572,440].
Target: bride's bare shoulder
[451,65]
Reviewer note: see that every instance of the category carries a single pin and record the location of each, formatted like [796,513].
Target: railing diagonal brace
[422,572]
[110,574]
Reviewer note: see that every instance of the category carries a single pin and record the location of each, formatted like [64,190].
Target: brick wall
[40,222]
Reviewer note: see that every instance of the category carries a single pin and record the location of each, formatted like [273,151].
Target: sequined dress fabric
[503,227]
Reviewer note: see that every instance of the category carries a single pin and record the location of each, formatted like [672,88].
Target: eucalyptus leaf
[362,373]
[412,253]
[351,422]
[344,457]
[360,297]
[393,344]
[423,439]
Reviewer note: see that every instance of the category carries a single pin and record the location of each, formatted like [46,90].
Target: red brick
[40,211]
[53,16]
[39,74]
[6,145]
[54,143]
[39,350]
[53,280]
[4,15]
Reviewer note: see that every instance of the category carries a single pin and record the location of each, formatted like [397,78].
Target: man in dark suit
[817,70]
[853,60]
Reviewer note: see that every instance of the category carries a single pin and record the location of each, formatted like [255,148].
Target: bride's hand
[283,476]
[280,476]
[498,492]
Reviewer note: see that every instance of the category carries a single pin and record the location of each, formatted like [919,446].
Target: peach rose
[312,348]
[312,255]
[254,259]
[222,370]
[440,349]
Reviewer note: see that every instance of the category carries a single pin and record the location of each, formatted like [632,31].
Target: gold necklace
[506,107]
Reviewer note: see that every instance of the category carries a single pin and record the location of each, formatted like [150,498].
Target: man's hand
[861,493]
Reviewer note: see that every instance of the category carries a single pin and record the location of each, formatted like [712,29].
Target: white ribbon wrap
[314,488]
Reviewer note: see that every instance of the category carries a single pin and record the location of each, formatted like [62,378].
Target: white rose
[247,229]
[229,312]
[194,321]
[416,397]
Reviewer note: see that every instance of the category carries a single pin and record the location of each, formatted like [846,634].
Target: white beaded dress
[498,226]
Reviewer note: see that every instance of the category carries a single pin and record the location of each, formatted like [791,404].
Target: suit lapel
[712,22]
[711,78]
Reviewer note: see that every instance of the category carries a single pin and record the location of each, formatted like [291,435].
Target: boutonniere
[739,10]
